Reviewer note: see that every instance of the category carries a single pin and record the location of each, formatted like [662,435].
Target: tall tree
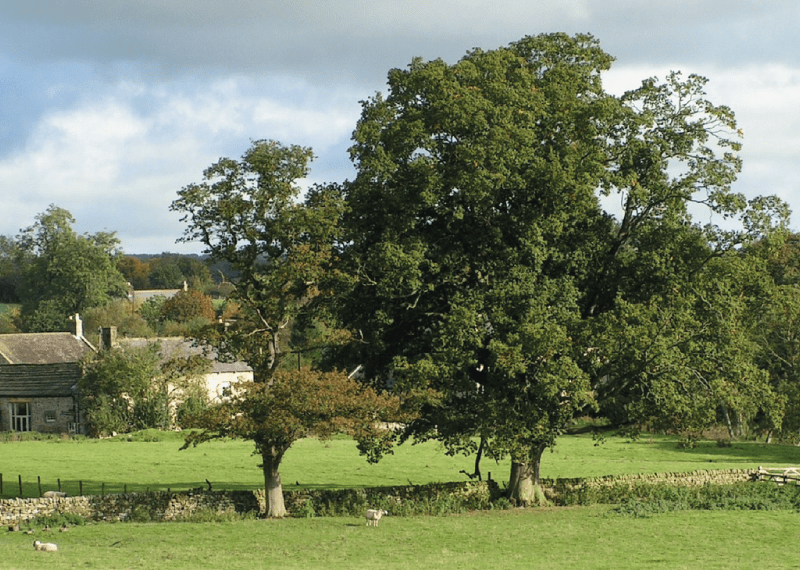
[483,254]
[64,272]
[247,214]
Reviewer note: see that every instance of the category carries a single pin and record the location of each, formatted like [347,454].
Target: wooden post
[39,481]
[59,485]
[80,486]
[1,483]
[125,488]
[20,486]
[103,490]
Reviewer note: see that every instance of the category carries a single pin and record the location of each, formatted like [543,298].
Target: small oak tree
[293,405]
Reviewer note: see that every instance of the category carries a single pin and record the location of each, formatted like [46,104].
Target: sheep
[45,546]
[53,495]
[374,516]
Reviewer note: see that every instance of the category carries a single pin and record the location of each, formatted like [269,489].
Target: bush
[188,305]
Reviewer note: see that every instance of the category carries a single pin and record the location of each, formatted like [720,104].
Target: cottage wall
[48,415]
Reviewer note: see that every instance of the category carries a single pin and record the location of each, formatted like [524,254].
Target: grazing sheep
[45,546]
[54,495]
[374,516]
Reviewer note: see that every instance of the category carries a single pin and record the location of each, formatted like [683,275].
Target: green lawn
[160,465]
[585,538]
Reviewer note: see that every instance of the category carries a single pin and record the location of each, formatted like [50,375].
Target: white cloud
[116,161]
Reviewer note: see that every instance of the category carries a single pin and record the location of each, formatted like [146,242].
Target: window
[20,416]
[50,416]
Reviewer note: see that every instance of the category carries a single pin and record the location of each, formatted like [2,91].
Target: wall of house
[217,382]
[48,415]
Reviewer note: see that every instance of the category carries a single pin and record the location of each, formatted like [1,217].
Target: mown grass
[152,460]
[585,538]
[635,534]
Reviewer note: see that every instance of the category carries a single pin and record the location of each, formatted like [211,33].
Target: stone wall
[169,506]
[160,506]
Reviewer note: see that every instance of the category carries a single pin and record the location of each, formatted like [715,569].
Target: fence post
[39,481]
[1,483]
[20,487]
[59,485]
[103,489]
[80,486]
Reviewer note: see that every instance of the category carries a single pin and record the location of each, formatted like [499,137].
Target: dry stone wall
[160,506]
[169,506]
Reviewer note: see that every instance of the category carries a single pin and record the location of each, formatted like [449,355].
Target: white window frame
[20,421]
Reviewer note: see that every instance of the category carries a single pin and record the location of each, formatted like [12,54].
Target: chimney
[76,325]
[108,337]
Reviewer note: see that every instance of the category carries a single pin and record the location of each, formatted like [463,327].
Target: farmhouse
[39,373]
[218,379]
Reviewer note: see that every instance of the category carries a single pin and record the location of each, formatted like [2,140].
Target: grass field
[158,465]
[586,537]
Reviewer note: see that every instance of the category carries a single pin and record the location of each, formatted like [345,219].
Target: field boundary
[412,499]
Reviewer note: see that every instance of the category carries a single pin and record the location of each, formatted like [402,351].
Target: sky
[110,107]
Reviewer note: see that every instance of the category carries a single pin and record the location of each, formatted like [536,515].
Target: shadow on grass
[739,452]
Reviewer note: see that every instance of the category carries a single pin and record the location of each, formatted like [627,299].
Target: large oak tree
[490,266]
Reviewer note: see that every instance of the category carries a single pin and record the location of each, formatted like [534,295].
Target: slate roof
[42,348]
[38,380]
[175,347]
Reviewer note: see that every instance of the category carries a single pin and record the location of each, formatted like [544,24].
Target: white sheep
[374,516]
[45,546]
[53,495]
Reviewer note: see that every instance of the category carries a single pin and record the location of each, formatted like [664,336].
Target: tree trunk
[727,417]
[523,487]
[272,484]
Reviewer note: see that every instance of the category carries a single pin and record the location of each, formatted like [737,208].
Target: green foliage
[133,388]
[744,496]
[119,313]
[188,305]
[64,273]
[294,405]
[493,290]
[117,382]
[190,408]
[246,214]
[151,309]
[58,520]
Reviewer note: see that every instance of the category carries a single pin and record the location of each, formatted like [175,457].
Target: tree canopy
[63,272]
[248,213]
[491,276]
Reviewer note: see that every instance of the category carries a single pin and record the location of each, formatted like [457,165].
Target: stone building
[39,375]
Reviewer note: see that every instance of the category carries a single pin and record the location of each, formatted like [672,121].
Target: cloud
[117,160]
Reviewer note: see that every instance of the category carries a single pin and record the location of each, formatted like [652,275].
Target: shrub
[188,305]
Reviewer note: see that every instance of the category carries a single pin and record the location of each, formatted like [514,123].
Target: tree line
[518,248]
[50,272]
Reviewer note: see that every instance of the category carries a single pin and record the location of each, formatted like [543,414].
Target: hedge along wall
[434,498]
[603,489]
